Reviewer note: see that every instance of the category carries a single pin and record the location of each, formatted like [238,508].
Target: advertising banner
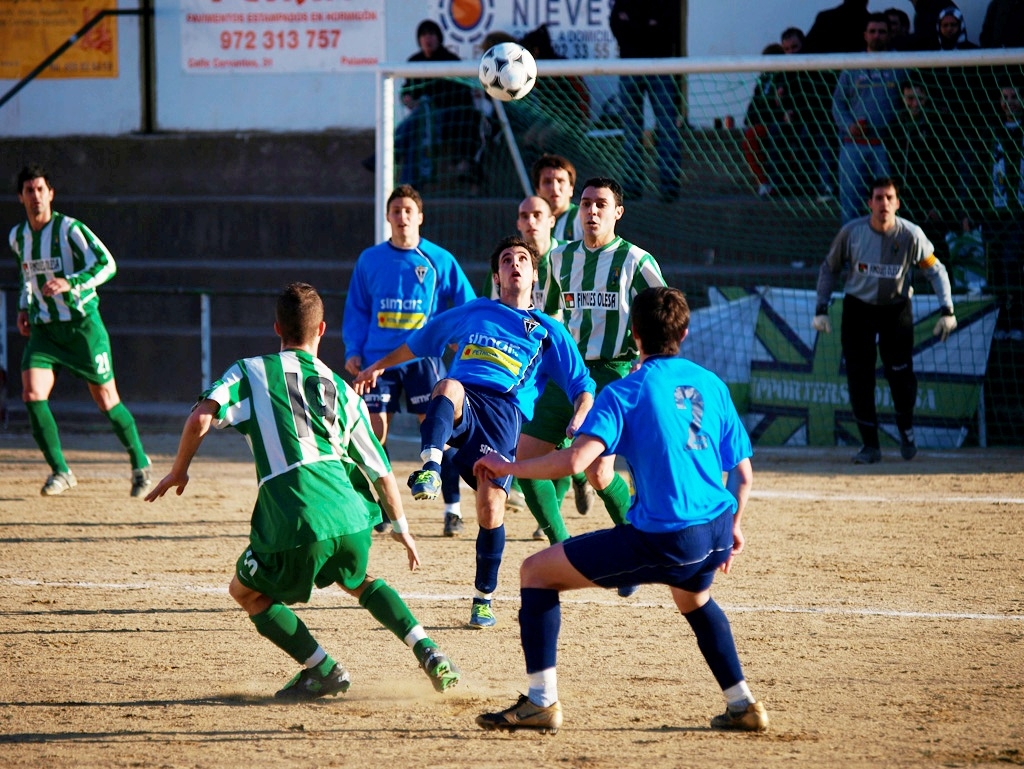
[790,381]
[278,36]
[30,30]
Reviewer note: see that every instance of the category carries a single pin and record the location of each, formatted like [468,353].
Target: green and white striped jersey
[597,290]
[305,427]
[568,226]
[64,248]
[545,294]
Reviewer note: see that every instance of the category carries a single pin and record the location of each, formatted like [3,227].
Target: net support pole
[385,157]
[513,147]
[204,338]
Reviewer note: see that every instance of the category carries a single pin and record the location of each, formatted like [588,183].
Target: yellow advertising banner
[30,30]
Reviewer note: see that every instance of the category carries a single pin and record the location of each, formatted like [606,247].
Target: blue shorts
[490,422]
[622,556]
[416,378]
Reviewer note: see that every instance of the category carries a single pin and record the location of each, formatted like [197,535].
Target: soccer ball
[508,71]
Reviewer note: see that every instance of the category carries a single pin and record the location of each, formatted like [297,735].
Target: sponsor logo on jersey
[590,300]
[890,271]
[43,266]
[401,320]
[421,272]
[529,324]
[473,352]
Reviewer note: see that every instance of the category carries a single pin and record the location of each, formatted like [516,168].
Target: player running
[309,528]
[506,352]
[62,263]
[676,425]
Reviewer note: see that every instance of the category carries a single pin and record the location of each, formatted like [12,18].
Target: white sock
[484,596]
[431,455]
[738,696]
[415,635]
[317,657]
[543,689]
[454,508]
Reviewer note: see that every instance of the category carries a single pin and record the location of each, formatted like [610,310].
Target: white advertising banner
[281,36]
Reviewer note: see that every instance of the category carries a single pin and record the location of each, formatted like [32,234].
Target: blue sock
[714,639]
[540,619]
[449,478]
[490,544]
[438,424]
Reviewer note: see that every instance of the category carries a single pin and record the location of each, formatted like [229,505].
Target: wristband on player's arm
[821,309]
[400,525]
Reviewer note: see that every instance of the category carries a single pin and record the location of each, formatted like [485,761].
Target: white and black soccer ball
[508,71]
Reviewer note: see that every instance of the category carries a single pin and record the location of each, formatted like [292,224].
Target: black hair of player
[607,183]
[30,172]
[883,183]
[512,241]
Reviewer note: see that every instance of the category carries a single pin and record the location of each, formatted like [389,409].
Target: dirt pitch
[879,613]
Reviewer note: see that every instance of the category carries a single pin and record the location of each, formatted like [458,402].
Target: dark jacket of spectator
[646,29]
[839,29]
[926,15]
[1004,25]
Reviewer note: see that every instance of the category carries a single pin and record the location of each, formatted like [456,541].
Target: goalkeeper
[878,251]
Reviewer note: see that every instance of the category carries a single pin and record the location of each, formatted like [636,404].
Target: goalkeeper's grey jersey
[878,264]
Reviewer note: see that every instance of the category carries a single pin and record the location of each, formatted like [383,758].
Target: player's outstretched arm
[581,408]
[556,464]
[196,427]
[391,502]
[366,380]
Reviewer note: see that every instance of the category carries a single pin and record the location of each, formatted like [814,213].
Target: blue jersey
[505,350]
[677,427]
[395,290]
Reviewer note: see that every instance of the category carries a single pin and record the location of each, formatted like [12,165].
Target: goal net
[737,181]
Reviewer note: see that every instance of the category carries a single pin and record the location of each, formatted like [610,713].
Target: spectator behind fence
[900,36]
[649,29]
[864,103]
[558,105]
[926,17]
[1006,225]
[441,112]
[1003,26]
[926,158]
[838,30]
[964,93]
[808,99]
[765,116]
